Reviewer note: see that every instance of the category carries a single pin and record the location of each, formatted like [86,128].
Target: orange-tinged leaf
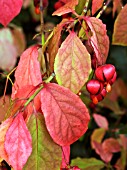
[72,63]
[99,39]
[3,129]
[97,136]
[66,116]
[28,69]
[105,156]
[4,107]
[18,141]
[111,145]
[68,7]
[117,6]
[8,10]
[120,28]
[101,121]
[96,5]
[54,44]
[46,154]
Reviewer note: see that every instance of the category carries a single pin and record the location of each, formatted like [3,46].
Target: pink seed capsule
[105,72]
[94,86]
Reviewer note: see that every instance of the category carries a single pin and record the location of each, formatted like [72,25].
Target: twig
[42,22]
[103,9]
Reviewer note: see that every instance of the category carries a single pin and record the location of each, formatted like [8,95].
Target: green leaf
[72,63]
[45,154]
[120,28]
[87,164]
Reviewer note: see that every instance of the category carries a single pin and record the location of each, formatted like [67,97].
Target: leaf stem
[33,96]
[103,9]
[39,89]
[86,6]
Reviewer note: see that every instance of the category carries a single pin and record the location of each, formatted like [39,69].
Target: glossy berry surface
[105,72]
[94,86]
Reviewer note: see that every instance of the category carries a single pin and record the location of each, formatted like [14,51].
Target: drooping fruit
[37,10]
[105,72]
[99,97]
[94,86]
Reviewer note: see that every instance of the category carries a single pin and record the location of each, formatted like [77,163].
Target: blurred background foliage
[113,107]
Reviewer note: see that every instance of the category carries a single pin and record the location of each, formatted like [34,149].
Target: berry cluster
[37,5]
[98,88]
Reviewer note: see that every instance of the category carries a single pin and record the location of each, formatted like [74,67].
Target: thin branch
[103,9]
[42,21]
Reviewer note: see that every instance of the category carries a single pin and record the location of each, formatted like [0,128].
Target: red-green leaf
[65,114]
[99,39]
[46,154]
[120,28]
[111,145]
[101,121]
[3,129]
[8,10]
[88,163]
[28,69]
[105,156]
[97,136]
[54,44]
[18,143]
[96,5]
[68,7]
[72,63]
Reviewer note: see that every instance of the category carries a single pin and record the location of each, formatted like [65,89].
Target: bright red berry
[113,79]
[105,72]
[37,10]
[94,86]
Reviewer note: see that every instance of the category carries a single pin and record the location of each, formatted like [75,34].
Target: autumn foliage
[57,85]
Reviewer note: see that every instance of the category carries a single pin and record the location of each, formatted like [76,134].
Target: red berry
[105,72]
[99,97]
[94,86]
[37,10]
[113,79]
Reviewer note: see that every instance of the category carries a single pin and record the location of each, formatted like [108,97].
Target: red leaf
[105,156]
[120,28]
[65,114]
[3,129]
[18,143]
[72,63]
[101,121]
[96,5]
[68,7]
[65,156]
[117,6]
[8,10]
[28,70]
[111,145]
[99,39]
